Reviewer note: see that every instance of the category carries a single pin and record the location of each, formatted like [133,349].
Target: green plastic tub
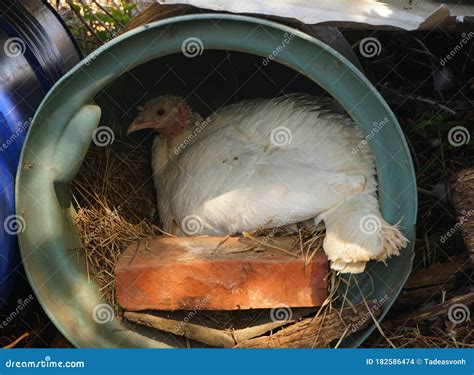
[61,134]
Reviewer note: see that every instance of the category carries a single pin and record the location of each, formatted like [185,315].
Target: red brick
[208,274]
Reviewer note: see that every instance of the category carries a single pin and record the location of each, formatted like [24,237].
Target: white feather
[234,178]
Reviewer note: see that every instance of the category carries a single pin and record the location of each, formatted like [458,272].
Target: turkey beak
[138,125]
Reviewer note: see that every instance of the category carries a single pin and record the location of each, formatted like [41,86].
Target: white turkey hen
[269,163]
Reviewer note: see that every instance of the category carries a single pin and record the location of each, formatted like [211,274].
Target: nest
[116,206]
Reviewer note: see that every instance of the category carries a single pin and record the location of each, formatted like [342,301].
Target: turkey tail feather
[356,233]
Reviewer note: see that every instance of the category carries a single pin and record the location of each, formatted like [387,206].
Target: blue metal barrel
[36,50]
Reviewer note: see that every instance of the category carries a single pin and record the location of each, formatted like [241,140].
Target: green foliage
[438,157]
[107,22]
[439,124]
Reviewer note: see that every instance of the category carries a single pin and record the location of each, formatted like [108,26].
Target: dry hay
[115,202]
[428,336]
[116,205]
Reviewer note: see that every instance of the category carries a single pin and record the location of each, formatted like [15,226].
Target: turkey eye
[160,112]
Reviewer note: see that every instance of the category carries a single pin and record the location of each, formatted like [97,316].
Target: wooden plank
[320,331]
